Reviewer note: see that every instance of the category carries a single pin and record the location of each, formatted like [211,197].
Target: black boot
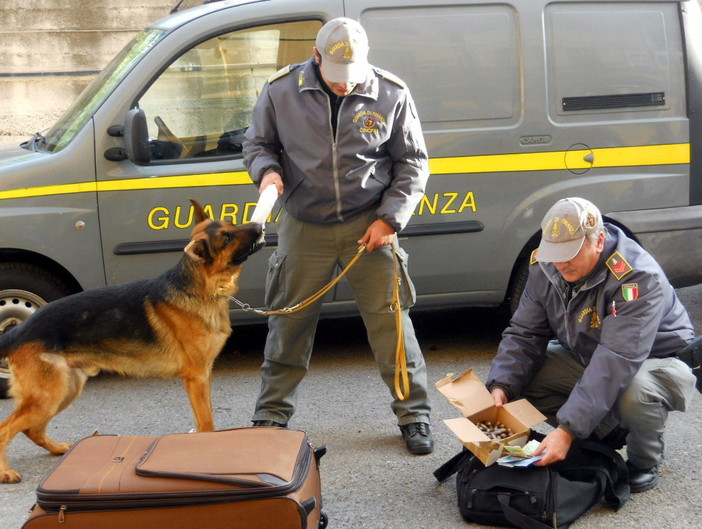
[269,423]
[417,436]
[641,480]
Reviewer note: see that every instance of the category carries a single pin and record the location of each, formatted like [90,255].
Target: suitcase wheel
[323,520]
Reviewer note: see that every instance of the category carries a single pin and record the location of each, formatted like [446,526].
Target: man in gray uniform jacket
[342,143]
[618,325]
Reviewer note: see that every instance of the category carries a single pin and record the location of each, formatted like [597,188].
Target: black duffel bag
[552,496]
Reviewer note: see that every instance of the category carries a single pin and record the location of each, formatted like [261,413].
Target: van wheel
[518,284]
[23,289]
[4,379]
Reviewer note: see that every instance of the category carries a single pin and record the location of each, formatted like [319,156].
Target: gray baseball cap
[565,227]
[343,45]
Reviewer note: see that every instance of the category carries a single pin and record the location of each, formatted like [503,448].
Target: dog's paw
[10,476]
[58,449]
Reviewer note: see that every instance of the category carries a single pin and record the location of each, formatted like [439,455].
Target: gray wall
[51,49]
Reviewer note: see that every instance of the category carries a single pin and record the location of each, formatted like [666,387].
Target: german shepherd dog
[173,325]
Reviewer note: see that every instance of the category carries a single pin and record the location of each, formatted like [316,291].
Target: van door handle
[589,158]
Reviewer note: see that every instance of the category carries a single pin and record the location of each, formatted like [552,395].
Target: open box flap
[466,392]
[466,431]
[526,412]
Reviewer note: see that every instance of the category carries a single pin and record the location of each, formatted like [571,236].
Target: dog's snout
[261,239]
[254,235]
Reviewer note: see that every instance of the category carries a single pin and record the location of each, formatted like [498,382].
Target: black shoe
[269,423]
[417,437]
[641,480]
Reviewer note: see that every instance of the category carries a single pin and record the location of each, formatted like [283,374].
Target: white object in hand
[266,201]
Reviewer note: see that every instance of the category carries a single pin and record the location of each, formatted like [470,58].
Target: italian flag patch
[630,291]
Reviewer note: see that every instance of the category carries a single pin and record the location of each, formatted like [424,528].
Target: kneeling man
[593,342]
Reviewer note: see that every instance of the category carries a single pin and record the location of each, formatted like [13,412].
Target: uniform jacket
[377,158]
[625,312]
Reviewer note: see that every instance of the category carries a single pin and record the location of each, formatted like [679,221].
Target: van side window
[462,63]
[200,106]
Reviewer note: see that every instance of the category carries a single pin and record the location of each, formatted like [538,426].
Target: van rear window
[612,57]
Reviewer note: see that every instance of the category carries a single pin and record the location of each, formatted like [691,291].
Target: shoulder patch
[534,257]
[618,265]
[280,73]
[630,291]
[391,77]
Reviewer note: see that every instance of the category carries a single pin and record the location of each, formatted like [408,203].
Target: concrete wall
[51,49]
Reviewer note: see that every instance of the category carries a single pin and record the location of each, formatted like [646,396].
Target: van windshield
[73,120]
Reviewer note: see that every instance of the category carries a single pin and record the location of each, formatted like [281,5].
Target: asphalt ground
[368,479]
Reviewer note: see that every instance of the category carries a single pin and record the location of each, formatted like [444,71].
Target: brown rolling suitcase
[236,479]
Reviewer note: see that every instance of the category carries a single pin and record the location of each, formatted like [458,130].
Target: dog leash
[314,297]
[401,375]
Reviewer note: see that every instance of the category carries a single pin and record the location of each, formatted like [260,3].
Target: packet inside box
[471,397]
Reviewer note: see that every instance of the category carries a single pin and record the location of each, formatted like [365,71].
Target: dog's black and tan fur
[173,325]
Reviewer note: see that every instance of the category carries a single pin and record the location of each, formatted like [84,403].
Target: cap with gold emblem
[564,228]
[343,45]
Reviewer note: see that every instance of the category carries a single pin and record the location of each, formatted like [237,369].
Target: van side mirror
[136,137]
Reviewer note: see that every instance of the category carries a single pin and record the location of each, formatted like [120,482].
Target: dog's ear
[196,250]
[200,214]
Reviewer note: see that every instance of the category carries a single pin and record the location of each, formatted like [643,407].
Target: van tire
[23,289]
[518,284]
[4,379]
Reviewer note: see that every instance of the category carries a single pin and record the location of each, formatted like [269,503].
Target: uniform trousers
[660,386]
[307,257]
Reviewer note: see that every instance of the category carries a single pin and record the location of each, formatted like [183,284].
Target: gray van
[522,102]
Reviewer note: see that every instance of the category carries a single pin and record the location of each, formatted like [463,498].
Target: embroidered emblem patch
[534,257]
[618,265]
[370,122]
[346,45]
[630,291]
[595,320]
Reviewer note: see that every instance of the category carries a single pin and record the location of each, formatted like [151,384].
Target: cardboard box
[469,394]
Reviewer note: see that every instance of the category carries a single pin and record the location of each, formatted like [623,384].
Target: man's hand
[378,234]
[499,397]
[274,179]
[554,447]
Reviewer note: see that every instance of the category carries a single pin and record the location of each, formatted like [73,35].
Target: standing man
[612,370]
[342,143]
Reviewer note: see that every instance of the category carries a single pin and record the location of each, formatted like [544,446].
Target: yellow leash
[314,297]
[401,375]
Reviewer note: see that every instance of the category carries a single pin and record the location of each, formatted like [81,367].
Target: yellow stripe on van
[133,184]
[26,192]
[173,182]
[672,154]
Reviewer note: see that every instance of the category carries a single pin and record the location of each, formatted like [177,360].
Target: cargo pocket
[275,280]
[408,295]
[675,376]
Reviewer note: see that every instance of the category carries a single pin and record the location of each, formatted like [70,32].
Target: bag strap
[517,518]
[451,466]
[617,491]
